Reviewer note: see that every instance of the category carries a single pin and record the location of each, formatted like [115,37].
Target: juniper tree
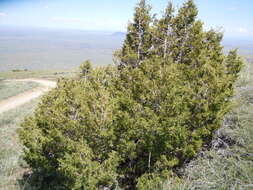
[183,23]
[132,128]
[163,33]
[85,68]
[233,64]
[138,39]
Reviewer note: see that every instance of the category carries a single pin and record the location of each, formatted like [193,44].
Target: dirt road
[25,97]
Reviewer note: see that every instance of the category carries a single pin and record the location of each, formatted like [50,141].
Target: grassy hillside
[11,164]
[12,88]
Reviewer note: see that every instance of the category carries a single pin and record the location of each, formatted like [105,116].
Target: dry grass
[11,164]
[50,74]
[12,88]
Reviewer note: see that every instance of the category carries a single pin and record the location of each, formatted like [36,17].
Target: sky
[233,17]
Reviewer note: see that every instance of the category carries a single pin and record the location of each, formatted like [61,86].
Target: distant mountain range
[119,34]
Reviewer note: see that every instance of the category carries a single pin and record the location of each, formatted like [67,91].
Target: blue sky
[233,16]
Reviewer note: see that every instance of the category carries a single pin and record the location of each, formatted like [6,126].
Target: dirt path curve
[25,97]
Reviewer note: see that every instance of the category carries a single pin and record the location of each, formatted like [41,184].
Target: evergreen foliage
[85,68]
[138,39]
[162,33]
[129,127]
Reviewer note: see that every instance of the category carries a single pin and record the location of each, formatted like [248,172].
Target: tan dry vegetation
[27,96]
[11,164]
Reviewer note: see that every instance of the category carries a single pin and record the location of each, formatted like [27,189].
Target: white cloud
[63,19]
[242,30]
[46,7]
[2,14]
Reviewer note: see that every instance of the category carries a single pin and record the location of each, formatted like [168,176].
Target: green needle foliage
[131,126]
[138,39]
